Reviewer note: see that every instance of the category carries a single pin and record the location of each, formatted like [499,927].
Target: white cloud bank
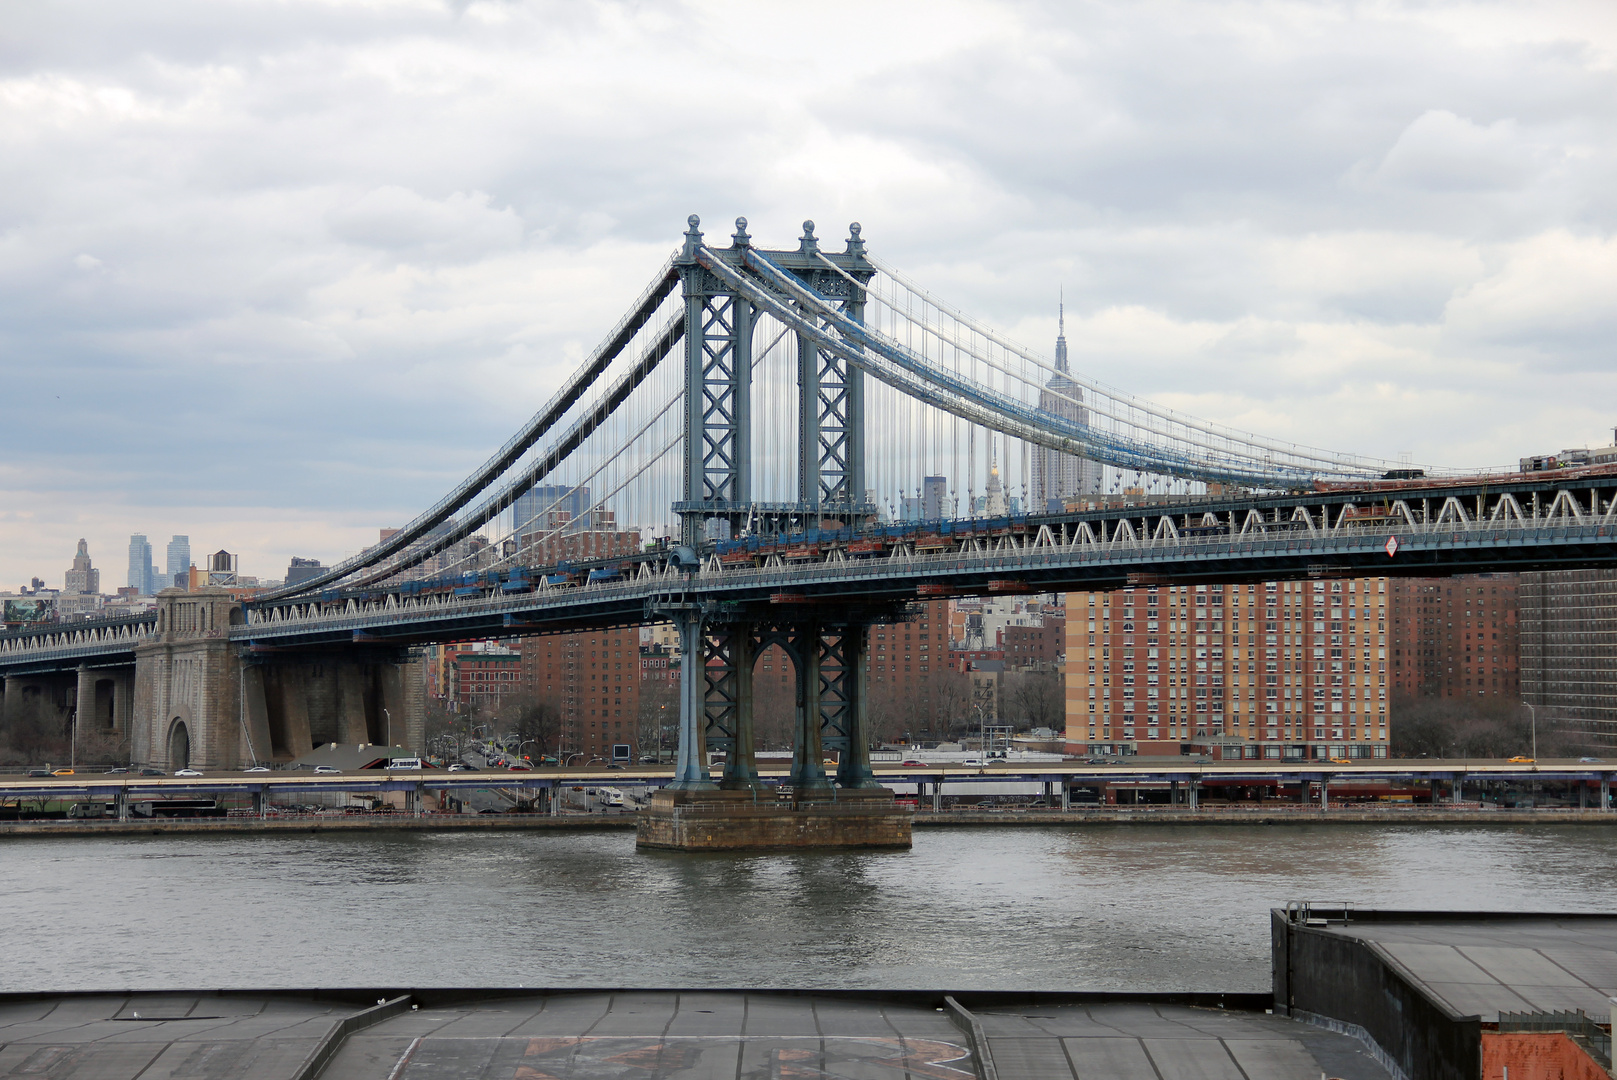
[275,274]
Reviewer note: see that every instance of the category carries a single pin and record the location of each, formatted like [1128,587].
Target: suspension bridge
[782,447]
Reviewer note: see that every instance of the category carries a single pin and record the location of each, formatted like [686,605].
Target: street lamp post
[1532,712]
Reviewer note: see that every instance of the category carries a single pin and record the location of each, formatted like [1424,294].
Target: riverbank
[317,823]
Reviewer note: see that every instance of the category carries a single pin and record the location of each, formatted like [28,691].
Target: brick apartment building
[1455,637]
[483,678]
[593,679]
[1271,670]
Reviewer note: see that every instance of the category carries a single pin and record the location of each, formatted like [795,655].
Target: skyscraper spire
[1061,331]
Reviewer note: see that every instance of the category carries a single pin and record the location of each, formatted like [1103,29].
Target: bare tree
[1035,699]
[1458,727]
[658,719]
[951,698]
[535,719]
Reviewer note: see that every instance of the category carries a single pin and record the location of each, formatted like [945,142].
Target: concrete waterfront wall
[1319,974]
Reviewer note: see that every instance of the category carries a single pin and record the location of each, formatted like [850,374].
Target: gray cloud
[276,274]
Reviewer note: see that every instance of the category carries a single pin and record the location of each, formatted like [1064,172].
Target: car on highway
[152,772]
[458,767]
[39,772]
[911,763]
[1519,760]
[116,769]
[1590,761]
[186,772]
[257,768]
[974,763]
[61,772]
[1339,761]
[517,766]
[327,770]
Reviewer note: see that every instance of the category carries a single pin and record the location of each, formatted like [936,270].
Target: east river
[1113,908]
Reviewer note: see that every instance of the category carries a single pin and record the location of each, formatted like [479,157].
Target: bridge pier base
[741,811]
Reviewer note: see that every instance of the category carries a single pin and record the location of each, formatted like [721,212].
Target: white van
[609,796]
[404,763]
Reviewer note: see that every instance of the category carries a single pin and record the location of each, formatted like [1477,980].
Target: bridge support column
[1605,794]
[123,696]
[260,804]
[1191,790]
[808,754]
[351,725]
[727,670]
[690,764]
[1324,794]
[84,702]
[853,768]
[1066,796]
[255,715]
[1457,790]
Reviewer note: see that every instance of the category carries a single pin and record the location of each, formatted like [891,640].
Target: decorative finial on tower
[741,239]
[856,244]
[693,238]
[807,244]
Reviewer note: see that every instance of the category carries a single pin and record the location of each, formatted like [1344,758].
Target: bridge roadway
[1034,567]
[1072,773]
[1495,524]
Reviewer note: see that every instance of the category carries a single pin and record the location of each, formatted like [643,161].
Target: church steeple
[1061,333]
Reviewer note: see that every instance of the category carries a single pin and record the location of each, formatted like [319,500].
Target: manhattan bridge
[801,442]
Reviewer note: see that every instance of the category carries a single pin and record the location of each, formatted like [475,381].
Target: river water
[1107,908]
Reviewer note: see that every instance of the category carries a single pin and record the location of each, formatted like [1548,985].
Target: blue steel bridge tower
[825,642]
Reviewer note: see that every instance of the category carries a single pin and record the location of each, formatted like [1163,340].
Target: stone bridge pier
[205,701]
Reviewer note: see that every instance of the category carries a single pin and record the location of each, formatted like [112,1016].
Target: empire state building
[1057,476]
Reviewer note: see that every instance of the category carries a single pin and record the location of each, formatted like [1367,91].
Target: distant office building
[301,570]
[1569,652]
[178,563]
[1058,477]
[83,579]
[550,508]
[1273,670]
[935,498]
[142,571]
[1454,637]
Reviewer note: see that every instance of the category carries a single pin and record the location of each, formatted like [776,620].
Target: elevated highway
[1064,773]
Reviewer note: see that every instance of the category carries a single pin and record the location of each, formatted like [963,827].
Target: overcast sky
[277,274]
